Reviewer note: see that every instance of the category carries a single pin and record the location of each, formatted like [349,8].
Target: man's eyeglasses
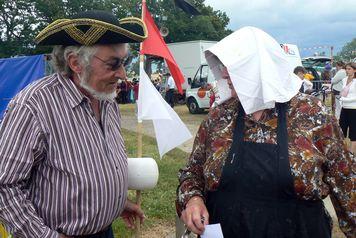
[114,63]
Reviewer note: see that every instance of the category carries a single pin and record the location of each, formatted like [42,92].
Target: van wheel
[193,106]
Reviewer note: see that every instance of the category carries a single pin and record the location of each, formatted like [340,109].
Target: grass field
[158,203]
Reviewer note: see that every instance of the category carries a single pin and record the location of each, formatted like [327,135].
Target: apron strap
[238,135]
[285,179]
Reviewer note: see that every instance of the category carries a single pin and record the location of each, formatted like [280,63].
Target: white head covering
[258,67]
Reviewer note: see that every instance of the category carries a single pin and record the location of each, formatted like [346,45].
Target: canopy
[17,73]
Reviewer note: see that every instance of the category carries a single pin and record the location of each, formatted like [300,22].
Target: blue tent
[16,74]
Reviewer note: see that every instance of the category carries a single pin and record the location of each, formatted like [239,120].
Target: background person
[124,91]
[337,85]
[136,87]
[170,88]
[62,157]
[264,159]
[326,75]
[348,103]
[307,86]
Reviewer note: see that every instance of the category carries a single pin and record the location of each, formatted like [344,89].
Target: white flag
[169,129]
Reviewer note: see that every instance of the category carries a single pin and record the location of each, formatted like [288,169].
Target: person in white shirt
[337,84]
[348,103]
[170,90]
[307,86]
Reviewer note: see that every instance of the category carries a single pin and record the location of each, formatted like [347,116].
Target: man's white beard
[98,95]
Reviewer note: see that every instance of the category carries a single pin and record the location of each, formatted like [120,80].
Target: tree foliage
[211,25]
[348,52]
[21,20]
[16,24]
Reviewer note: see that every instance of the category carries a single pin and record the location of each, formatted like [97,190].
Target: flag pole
[139,148]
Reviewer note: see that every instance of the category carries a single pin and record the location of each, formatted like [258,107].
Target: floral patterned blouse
[319,160]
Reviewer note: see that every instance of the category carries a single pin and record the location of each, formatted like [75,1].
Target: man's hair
[60,57]
[341,64]
[85,55]
[300,69]
[352,65]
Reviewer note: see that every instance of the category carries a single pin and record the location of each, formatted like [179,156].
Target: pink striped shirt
[60,170]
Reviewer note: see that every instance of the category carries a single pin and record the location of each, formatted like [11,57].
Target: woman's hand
[195,215]
[130,213]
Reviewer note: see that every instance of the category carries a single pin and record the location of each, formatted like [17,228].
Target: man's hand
[195,215]
[130,213]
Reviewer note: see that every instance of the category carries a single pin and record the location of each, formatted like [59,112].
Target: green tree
[17,24]
[348,52]
[21,20]
[211,25]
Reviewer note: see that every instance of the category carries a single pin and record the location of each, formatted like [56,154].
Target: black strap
[238,131]
[282,133]
[285,179]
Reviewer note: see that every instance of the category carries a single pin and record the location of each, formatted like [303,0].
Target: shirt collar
[74,95]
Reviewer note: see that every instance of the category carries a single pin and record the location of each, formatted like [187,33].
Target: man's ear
[73,63]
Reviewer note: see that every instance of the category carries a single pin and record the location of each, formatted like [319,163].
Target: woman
[326,74]
[337,85]
[265,158]
[348,102]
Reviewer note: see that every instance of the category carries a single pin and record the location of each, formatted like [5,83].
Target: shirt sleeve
[21,147]
[348,100]
[171,83]
[191,178]
[307,85]
[339,171]
[338,77]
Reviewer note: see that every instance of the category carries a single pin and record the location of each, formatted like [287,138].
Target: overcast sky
[306,23]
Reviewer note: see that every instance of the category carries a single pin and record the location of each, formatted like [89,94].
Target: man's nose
[120,72]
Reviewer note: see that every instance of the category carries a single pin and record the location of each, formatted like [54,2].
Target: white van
[198,94]
[199,79]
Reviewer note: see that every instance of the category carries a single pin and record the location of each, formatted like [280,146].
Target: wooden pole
[139,150]
[138,192]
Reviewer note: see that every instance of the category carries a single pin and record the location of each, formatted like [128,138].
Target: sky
[315,24]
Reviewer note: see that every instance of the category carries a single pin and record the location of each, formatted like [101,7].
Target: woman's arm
[190,193]
[339,76]
[191,177]
[339,169]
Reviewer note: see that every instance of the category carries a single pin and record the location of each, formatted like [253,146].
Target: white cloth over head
[258,67]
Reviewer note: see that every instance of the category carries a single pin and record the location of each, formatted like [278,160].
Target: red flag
[155,45]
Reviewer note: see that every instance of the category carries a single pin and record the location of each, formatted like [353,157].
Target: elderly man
[63,165]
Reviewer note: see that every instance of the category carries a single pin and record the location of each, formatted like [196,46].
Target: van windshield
[201,77]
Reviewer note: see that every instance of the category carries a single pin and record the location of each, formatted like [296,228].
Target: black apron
[256,197]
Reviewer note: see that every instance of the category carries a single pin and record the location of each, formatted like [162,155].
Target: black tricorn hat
[93,27]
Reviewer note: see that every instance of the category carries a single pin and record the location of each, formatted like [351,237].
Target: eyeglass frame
[115,66]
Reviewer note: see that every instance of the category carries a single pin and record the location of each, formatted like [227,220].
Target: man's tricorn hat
[93,27]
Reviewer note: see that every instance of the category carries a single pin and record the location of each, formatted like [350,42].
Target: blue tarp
[17,73]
